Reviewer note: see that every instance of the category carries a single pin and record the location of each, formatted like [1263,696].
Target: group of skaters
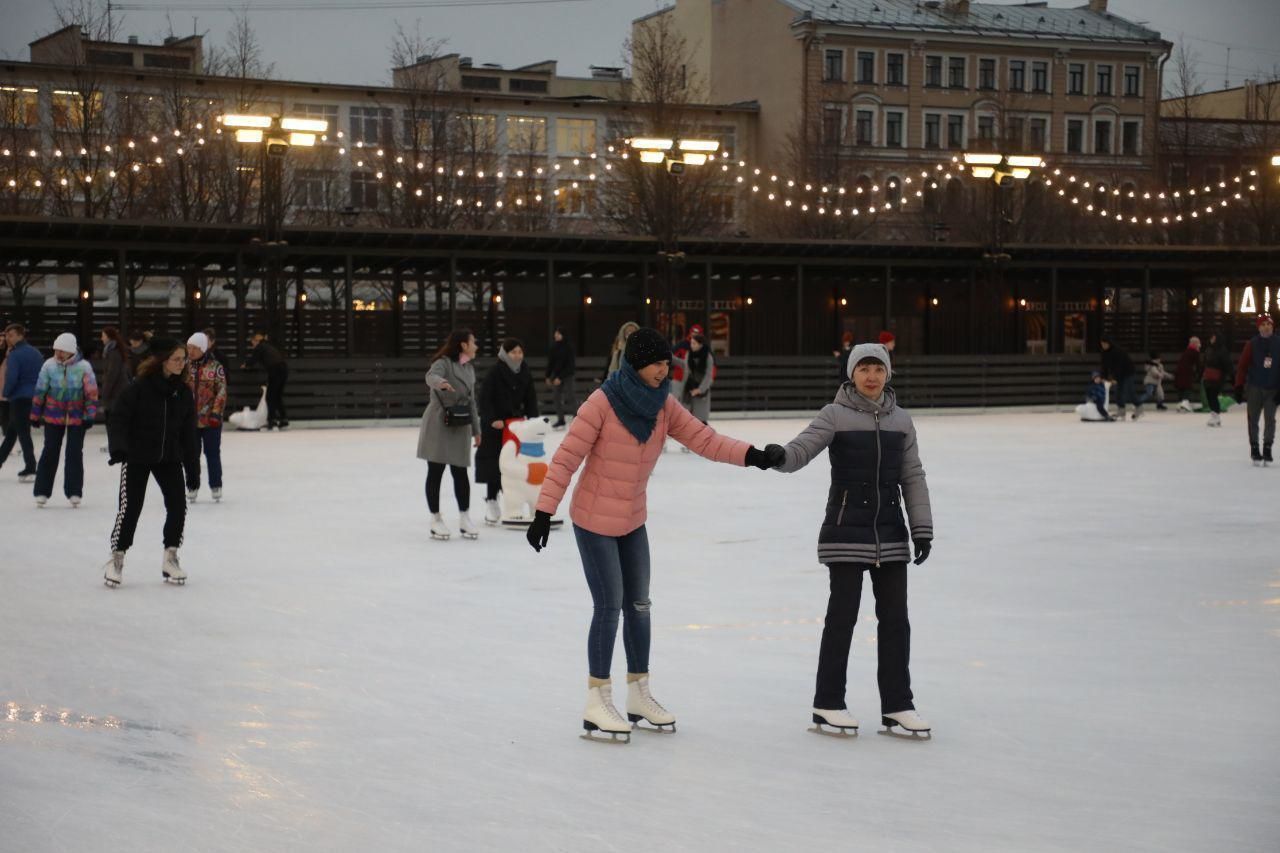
[1205,369]
[161,402]
[650,392]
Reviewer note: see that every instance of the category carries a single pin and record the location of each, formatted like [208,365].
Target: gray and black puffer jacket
[875,469]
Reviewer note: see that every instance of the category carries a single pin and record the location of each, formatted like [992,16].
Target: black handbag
[459,414]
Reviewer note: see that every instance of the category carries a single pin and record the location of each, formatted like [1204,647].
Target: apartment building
[897,83]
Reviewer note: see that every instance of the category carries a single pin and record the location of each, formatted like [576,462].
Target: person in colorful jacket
[207,380]
[619,432]
[875,473]
[66,402]
[1258,386]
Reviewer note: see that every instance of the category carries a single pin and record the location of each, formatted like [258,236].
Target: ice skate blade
[471,536]
[833,731]
[595,733]
[175,581]
[110,584]
[906,734]
[658,728]
[440,537]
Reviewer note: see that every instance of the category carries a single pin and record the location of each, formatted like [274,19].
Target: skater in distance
[875,471]
[507,394]
[22,370]
[450,428]
[619,432]
[152,434]
[1258,386]
[66,402]
[207,379]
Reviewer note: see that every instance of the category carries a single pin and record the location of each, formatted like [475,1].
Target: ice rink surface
[1096,642]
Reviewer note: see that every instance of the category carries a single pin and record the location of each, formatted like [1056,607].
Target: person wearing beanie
[1186,375]
[1095,406]
[152,435]
[507,394]
[619,433]
[207,379]
[1258,386]
[875,472]
[22,371]
[888,341]
[697,372]
[65,402]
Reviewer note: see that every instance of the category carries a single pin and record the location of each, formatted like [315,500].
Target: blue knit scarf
[634,402]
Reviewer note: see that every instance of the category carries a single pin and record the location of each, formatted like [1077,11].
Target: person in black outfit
[152,434]
[272,361]
[1216,373]
[1118,367]
[561,366]
[507,393]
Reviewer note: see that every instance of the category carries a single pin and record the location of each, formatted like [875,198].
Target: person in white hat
[65,402]
[207,380]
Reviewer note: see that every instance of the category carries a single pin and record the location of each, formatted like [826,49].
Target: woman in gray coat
[451,381]
[696,370]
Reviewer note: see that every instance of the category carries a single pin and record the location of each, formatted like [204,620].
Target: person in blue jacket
[22,370]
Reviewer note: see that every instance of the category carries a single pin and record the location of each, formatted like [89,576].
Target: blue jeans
[617,570]
[211,441]
[47,469]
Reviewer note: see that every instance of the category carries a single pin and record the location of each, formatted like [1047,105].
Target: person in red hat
[888,341]
[1258,385]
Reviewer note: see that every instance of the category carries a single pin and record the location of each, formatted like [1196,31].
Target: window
[893,130]
[519,84]
[933,131]
[370,125]
[1075,78]
[364,191]
[19,106]
[1039,135]
[956,77]
[526,135]
[833,66]
[1130,138]
[893,189]
[1075,136]
[76,110]
[833,124]
[1040,77]
[160,60]
[1104,80]
[933,71]
[572,198]
[721,205]
[986,127]
[575,135]
[862,127]
[1101,136]
[482,83]
[1016,127]
[1017,75]
[1132,81]
[422,129]
[986,73]
[478,132]
[896,64]
[955,131]
[311,187]
[325,112]
[866,66]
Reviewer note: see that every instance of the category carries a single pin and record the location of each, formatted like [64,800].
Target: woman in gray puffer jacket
[875,471]
[451,382]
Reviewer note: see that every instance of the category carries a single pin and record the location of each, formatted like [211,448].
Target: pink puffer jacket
[610,497]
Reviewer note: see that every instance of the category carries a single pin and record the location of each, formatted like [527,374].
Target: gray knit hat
[876,351]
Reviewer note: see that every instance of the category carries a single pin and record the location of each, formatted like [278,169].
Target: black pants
[893,636]
[47,468]
[493,488]
[133,490]
[276,378]
[19,431]
[1211,392]
[461,486]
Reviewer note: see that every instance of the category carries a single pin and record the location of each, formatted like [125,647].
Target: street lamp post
[676,155]
[274,136]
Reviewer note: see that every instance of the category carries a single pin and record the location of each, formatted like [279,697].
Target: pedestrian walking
[207,380]
[1217,371]
[619,432]
[1258,384]
[65,402]
[152,435]
[506,395]
[875,472]
[450,428]
[1186,376]
[1117,367]
[22,367]
[561,367]
[264,354]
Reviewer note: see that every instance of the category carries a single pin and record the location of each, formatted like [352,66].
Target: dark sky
[346,46]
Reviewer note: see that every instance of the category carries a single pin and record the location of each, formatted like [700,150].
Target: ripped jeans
[617,570]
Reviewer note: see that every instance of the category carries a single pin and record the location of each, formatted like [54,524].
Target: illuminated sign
[1248,300]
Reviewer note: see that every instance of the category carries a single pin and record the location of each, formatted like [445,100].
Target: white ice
[1096,642]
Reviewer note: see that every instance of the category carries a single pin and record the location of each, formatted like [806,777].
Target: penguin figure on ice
[251,419]
[523,463]
[1097,398]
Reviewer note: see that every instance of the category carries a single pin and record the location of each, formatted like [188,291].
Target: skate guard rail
[378,388]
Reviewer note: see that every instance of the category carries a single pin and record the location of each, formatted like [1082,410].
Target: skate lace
[647,698]
[606,699]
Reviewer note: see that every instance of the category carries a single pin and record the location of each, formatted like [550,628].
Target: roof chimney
[958,7]
[1099,6]
[464,61]
[133,39]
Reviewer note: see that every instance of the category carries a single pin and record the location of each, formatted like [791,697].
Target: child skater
[620,431]
[875,469]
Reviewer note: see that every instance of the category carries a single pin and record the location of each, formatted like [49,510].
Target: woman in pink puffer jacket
[620,431]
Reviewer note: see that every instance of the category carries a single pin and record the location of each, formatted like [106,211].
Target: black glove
[115,458]
[758,458]
[539,530]
[1239,393]
[923,547]
[775,455]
